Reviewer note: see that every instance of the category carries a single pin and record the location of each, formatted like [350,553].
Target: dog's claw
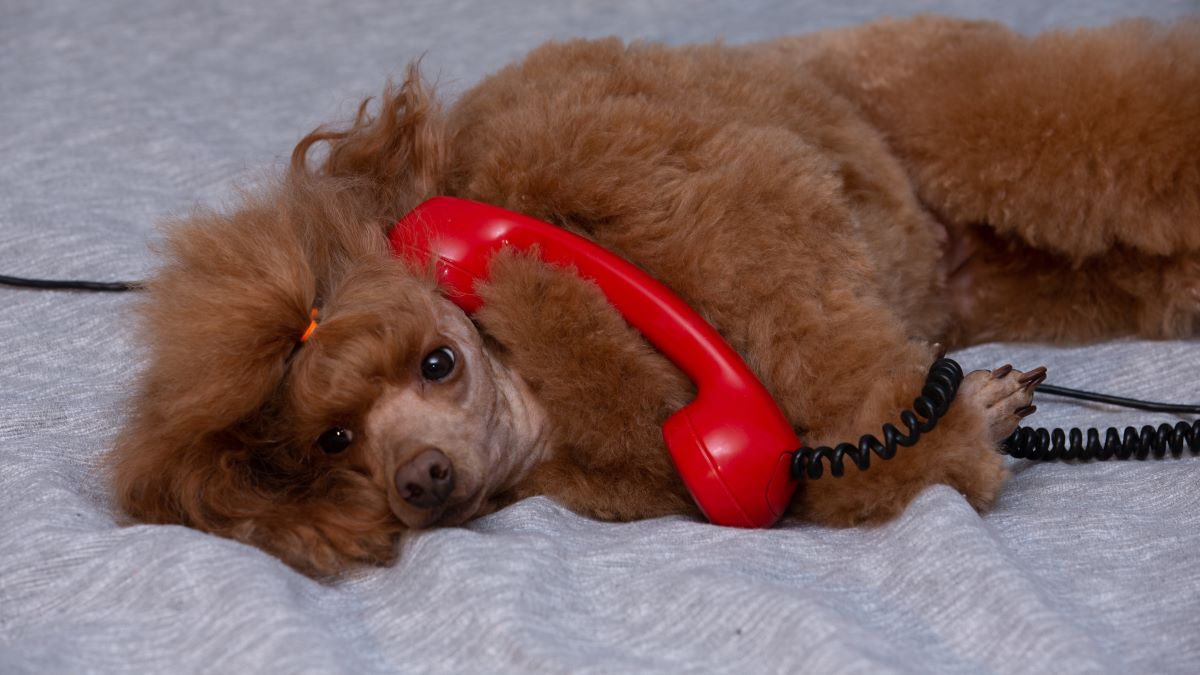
[1034,376]
[1004,396]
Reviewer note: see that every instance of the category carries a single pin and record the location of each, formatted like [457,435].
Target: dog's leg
[606,390]
[1074,141]
[1121,292]
[846,372]
[959,452]
[1065,165]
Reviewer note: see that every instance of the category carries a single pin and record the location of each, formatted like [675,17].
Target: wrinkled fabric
[115,116]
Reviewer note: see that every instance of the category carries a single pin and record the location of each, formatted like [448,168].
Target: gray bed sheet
[114,115]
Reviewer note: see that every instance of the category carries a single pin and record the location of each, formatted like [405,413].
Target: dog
[840,206]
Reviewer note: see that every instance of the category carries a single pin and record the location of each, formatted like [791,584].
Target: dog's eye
[437,364]
[335,440]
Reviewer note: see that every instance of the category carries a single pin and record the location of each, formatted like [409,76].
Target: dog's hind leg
[1066,166]
[1004,289]
[1076,142]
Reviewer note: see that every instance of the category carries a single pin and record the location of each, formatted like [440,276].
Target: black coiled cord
[1052,445]
[941,385]
[1044,445]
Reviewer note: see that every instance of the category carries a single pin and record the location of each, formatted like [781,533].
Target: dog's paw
[1002,396]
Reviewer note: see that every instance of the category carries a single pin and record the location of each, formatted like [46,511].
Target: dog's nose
[427,480]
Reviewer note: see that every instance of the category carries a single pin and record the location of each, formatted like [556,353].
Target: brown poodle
[834,204]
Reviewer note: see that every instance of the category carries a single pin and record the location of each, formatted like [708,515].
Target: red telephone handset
[732,445]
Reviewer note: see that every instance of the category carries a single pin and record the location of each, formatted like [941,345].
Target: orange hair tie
[312,326]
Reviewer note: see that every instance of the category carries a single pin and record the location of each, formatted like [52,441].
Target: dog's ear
[218,320]
[400,150]
[203,445]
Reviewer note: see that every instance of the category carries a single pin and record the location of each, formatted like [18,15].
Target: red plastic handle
[731,445]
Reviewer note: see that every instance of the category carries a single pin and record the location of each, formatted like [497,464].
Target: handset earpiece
[732,445]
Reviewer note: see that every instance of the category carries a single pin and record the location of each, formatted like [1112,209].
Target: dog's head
[318,438]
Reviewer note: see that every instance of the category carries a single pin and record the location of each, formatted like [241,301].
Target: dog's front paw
[1002,396]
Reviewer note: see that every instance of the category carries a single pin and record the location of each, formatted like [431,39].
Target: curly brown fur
[834,204]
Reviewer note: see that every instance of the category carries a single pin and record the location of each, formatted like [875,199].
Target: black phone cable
[70,285]
[1046,445]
